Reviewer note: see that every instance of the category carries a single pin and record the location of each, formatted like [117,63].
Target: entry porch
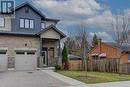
[50,52]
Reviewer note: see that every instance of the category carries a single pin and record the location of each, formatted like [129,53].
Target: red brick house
[110,50]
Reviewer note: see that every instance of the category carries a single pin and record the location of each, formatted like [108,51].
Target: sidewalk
[112,84]
[76,83]
[69,81]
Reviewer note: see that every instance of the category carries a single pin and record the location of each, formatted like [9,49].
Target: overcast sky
[97,15]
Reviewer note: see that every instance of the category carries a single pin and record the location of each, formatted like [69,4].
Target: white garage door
[25,61]
[3,61]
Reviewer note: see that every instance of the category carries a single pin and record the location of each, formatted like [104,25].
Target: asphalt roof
[74,57]
[34,34]
[36,10]
[123,48]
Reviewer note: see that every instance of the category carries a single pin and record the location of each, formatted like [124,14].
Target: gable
[26,4]
[104,47]
[51,34]
[110,51]
[30,14]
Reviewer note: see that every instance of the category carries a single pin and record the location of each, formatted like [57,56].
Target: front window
[95,57]
[129,57]
[2,22]
[27,23]
[51,52]
[43,25]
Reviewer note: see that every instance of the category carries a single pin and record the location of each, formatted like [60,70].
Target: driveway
[29,79]
[47,78]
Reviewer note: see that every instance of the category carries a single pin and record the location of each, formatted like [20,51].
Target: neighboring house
[110,51]
[29,39]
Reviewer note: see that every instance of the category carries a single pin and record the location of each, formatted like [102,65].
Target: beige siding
[50,34]
[7,26]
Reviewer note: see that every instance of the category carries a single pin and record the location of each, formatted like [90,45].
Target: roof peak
[54,28]
[36,10]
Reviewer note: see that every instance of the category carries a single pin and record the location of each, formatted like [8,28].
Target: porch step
[49,68]
[11,69]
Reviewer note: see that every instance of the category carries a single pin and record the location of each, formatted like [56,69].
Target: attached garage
[25,59]
[3,59]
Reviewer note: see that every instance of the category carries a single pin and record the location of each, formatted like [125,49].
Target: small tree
[65,58]
[95,40]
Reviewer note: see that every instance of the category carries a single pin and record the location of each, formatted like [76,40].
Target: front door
[44,55]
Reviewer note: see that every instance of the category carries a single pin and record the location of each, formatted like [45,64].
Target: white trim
[3,49]
[25,49]
[95,54]
[102,55]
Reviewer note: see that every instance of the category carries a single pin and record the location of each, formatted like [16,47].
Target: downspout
[99,44]
[100,50]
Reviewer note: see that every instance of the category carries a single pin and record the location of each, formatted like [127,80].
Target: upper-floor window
[2,22]
[129,57]
[27,23]
[32,24]
[43,25]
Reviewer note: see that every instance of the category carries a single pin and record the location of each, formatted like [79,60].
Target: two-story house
[28,40]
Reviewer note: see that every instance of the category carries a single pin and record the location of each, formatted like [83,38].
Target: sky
[96,15]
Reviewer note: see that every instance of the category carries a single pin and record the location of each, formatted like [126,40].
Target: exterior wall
[12,42]
[50,34]
[110,51]
[54,45]
[31,15]
[7,24]
[124,58]
[51,61]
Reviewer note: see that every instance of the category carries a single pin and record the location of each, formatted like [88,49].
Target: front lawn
[95,77]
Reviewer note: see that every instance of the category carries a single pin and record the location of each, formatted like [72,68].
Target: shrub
[65,58]
[57,67]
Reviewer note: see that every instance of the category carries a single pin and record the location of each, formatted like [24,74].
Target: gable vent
[26,10]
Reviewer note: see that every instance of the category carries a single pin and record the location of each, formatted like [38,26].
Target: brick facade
[12,42]
[111,52]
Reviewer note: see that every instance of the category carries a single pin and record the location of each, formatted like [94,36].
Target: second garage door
[3,60]
[25,60]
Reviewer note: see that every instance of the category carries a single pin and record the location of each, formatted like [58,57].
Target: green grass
[95,77]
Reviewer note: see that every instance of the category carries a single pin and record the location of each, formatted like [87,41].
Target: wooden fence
[75,65]
[104,65]
[125,68]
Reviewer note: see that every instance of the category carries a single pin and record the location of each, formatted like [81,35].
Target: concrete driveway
[29,79]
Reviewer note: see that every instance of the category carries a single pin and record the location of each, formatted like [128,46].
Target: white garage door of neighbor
[3,61]
[25,61]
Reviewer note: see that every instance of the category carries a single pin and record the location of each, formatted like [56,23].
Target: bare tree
[71,43]
[82,40]
[121,25]
[79,41]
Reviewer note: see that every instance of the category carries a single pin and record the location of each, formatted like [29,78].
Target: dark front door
[45,56]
